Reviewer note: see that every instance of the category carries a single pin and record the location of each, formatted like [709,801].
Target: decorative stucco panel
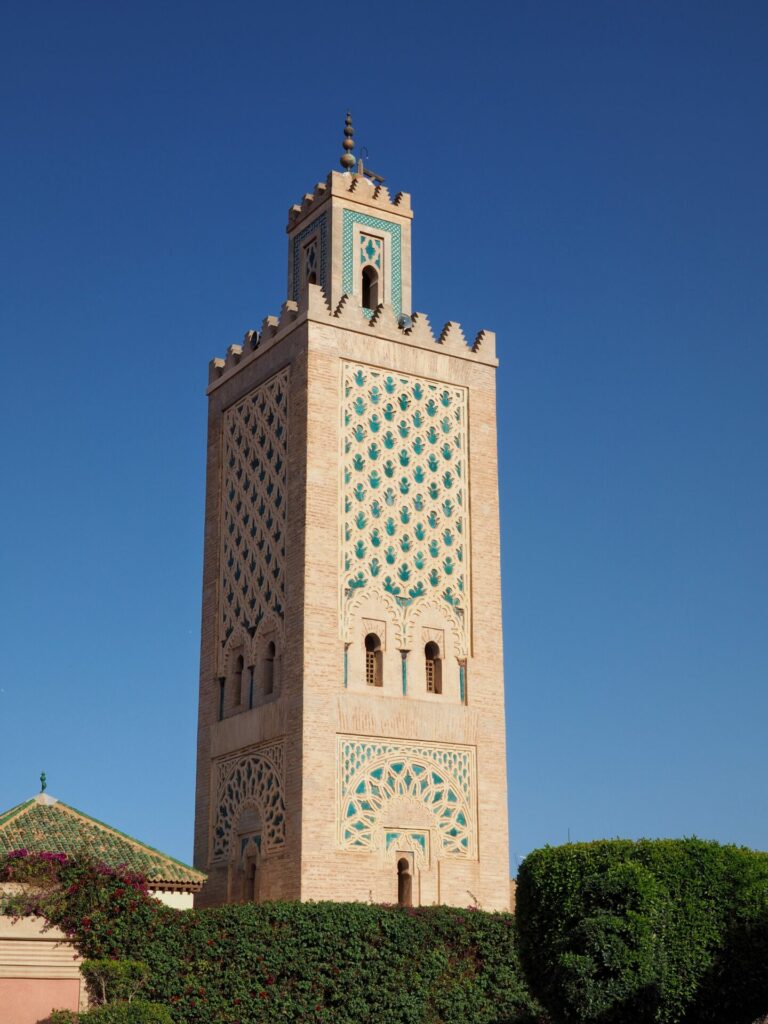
[404,497]
[251,780]
[253,514]
[387,789]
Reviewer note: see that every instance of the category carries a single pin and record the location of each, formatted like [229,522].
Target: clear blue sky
[589,180]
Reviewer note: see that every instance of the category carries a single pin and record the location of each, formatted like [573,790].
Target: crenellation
[313,305]
[485,341]
[349,312]
[215,369]
[420,332]
[268,327]
[233,356]
[288,313]
[384,321]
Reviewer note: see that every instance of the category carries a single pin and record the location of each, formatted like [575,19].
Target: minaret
[351,739]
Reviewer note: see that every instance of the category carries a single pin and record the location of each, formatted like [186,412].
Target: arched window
[373,661]
[251,892]
[370,287]
[244,870]
[434,668]
[237,679]
[251,674]
[269,667]
[404,883]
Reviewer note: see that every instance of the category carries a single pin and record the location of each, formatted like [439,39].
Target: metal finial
[43,782]
[347,161]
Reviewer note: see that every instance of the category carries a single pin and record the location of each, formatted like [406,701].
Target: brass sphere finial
[347,160]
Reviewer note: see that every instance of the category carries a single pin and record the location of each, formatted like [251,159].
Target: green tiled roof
[44,824]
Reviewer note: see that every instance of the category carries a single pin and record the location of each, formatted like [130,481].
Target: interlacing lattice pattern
[255,779]
[254,507]
[405,508]
[372,774]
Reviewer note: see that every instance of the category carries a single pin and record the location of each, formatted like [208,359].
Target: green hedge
[332,963]
[136,1012]
[660,931]
[315,963]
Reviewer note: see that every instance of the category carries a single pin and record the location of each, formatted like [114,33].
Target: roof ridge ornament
[43,782]
[347,160]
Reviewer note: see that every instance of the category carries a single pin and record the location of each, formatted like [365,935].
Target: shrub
[136,1012]
[111,981]
[318,963]
[655,931]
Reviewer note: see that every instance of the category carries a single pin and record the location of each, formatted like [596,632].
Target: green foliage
[114,980]
[137,1012]
[321,963]
[331,963]
[666,931]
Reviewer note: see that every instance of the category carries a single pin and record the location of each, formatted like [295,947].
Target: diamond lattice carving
[376,775]
[405,520]
[253,778]
[254,508]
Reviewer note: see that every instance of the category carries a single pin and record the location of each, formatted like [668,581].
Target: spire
[347,160]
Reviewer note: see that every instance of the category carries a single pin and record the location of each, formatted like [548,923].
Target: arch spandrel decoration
[253,778]
[438,781]
[404,499]
[253,514]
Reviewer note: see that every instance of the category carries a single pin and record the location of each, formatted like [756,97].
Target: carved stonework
[379,628]
[386,786]
[250,779]
[253,514]
[435,636]
[405,508]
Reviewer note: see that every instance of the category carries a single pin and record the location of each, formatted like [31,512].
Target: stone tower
[351,720]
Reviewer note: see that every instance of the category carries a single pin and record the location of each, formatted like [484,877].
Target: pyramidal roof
[47,825]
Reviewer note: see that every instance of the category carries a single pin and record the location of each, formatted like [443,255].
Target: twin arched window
[232,695]
[374,661]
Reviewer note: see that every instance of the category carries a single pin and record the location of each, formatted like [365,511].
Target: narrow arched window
[237,680]
[269,667]
[404,883]
[251,887]
[373,661]
[251,674]
[434,668]
[222,684]
[370,287]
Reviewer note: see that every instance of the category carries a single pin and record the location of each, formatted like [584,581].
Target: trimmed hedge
[136,1012]
[662,931]
[318,963]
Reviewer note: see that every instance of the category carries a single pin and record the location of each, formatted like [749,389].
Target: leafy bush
[318,963]
[111,981]
[661,931]
[136,1012]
